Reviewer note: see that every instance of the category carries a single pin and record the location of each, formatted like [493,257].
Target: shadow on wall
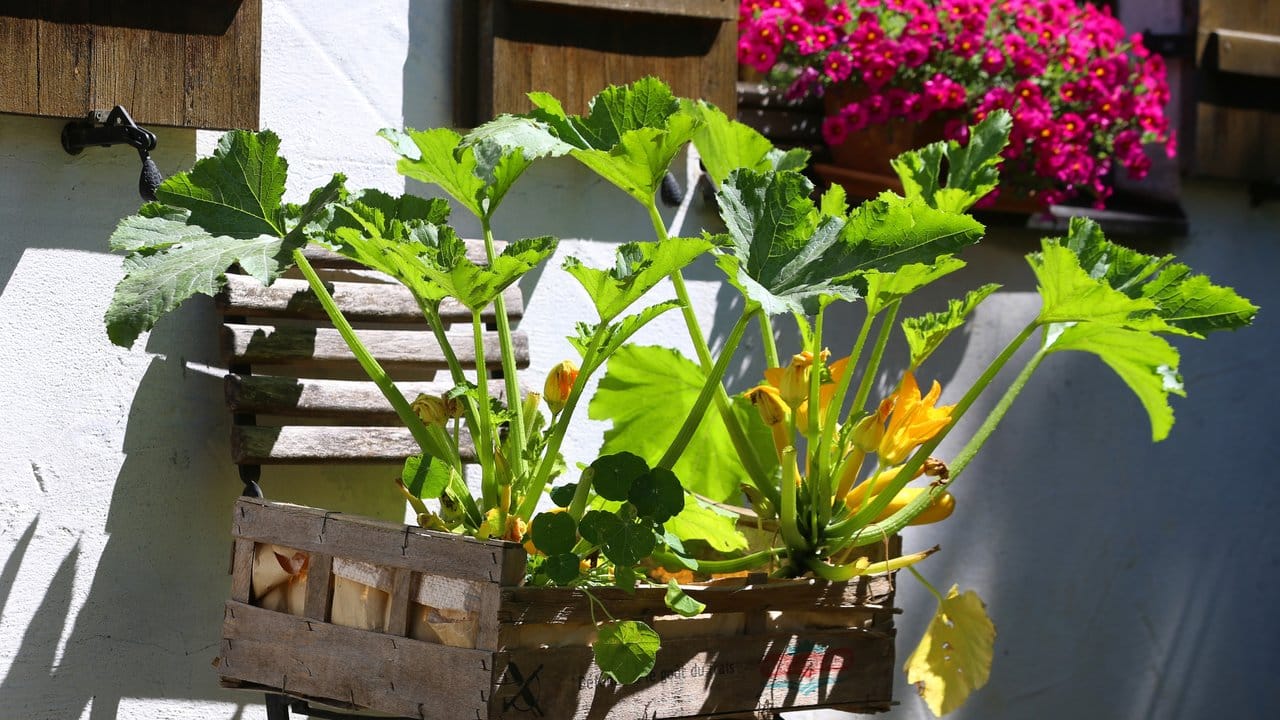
[149,623]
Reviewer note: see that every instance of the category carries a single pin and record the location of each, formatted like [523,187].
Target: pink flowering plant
[1085,97]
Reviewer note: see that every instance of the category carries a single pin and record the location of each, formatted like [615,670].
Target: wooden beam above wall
[184,64]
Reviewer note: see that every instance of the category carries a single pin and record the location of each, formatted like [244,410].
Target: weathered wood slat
[696,677]
[306,444]
[351,400]
[378,542]
[535,605]
[359,302]
[319,660]
[271,345]
[319,597]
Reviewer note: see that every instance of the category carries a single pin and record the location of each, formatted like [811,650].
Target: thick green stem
[581,495]
[484,444]
[817,462]
[732,565]
[877,354]
[750,463]
[434,443]
[842,531]
[842,386]
[770,345]
[699,409]
[436,323]
[787,507]
[529,502]
[512,380]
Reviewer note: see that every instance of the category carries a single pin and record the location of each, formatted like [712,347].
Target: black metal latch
[105,129]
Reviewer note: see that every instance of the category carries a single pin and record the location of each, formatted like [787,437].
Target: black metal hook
[104,129]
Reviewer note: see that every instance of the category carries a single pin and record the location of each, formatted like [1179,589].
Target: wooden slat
[398,604]
[306,444]
[717,9]
[378,542]
[270,345]
[180,64]
[360,402]
[1235,142]
[401,676]
[538,605]
[242,570]
[359,302]
[698,677]
[319,588]
[1248,53]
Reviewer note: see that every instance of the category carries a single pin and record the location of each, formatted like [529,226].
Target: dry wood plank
[319,598]
[489,630]
[544,605]
[242,570]
[398,605]
[223,72]
[135,67]
[307,444]
[19,83]
[377,542]
[1248,53]
[694,678]
[357,400]
[359,302]
[366,669]
[716,9]
[271,345]
[64,82]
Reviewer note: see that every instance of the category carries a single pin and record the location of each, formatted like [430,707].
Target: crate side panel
[359,668]
[701,676]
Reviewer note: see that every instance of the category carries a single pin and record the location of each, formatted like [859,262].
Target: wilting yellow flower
[436,410]
[559,384]
[769,404]
[914,420]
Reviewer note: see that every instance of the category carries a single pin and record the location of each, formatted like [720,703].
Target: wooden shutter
[1238,114]
[574,48]
[185,64]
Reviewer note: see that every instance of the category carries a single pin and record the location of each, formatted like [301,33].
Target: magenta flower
[834,129]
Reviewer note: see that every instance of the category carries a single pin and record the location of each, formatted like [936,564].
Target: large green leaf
[925,333]
[477,172]
[478,285]
[629,135]
[1069,294]
[725,145]
[890,232]
[392,235]
[1186,301]
[615,334]
[670,383]
[784,253]
[699,521]
[626,650]
[884,288]
[971,169]
[1147,363]
[237,191]
[639,266]
[225,211]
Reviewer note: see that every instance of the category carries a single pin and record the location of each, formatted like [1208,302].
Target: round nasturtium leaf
[614,474]
[562,569]
[554,532]
[627,543]
[562,495]
[597,524]
[626,651]
[658,495]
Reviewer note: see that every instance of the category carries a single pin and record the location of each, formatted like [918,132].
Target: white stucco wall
[1126,582]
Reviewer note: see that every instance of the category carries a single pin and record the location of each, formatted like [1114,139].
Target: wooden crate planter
[445,631]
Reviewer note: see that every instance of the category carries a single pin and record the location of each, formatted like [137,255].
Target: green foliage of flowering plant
[824,470]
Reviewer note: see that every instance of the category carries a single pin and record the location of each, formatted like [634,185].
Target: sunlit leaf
[638,267]
[953,658]
[626,650]
[925,333]
[971,168]
[680,601]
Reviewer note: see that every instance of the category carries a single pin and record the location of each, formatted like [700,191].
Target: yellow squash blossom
[559,385]
[913,421]
[792,385]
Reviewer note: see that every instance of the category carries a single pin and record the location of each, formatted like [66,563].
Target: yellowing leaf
[954,656]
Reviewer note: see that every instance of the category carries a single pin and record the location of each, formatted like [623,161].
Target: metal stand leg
[277,707]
